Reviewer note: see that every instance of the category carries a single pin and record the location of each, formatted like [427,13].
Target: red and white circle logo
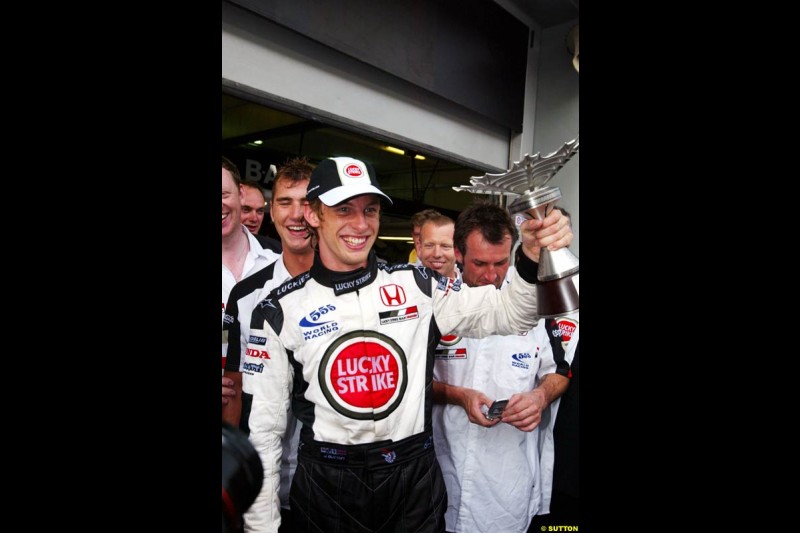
[354,171]
[449,340]
[566,326]
[364,375]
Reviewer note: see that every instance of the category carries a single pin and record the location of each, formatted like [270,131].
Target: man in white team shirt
[492,468]
[244,363]
[241,253]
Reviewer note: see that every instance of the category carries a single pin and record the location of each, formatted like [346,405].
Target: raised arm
[554,232]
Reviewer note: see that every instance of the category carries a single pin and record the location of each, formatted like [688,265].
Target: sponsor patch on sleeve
[254,339]
[450,353]
[399,315]
[448,284]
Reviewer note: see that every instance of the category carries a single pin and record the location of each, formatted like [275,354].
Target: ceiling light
[409,153]
[409,240]
[394,150]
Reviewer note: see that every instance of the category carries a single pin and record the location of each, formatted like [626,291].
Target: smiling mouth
[354,241]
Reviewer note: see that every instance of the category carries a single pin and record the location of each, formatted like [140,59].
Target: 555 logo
[314,325]
[311,320]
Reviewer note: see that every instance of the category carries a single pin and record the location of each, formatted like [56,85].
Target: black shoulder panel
[270,307]
[252,283]
[554,336]
[423,275]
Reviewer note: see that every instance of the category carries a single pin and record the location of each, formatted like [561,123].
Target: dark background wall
[471,52]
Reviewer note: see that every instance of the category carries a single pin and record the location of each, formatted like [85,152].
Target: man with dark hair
[350,344]
[497,470]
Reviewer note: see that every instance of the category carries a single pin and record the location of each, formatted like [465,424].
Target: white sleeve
[478,312]
[271,391]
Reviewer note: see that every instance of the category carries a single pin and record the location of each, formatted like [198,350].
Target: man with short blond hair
[436,250]
[417,220]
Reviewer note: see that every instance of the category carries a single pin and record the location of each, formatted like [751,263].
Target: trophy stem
[558,264]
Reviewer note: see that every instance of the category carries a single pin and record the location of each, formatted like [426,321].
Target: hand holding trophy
[527,180]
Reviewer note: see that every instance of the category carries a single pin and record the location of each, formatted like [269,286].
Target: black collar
[344,282]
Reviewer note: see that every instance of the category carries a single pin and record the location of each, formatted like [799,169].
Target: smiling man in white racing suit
[350,343]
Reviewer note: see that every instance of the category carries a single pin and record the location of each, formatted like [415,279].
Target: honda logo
[392,295]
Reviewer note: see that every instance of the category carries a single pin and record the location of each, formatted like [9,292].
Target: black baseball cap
[336,179]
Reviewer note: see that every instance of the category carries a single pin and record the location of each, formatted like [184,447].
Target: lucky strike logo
[364,375]
[449,340]
[563,327]
[353,170]
[566,327]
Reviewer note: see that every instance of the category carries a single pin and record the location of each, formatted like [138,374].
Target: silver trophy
[526,182]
